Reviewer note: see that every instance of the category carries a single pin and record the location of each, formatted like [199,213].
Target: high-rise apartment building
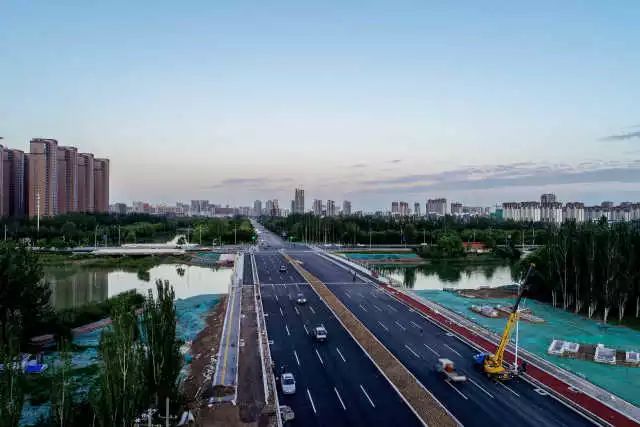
[298,202]
[13,182]
[86,185]
[257,208]
[403,207]
[67,179]
[456,208]
[437,206]
[416,209]
[547,198]
[346,208]
[42,182]
[331,208]
[317,207]
[101,182]
[395,208]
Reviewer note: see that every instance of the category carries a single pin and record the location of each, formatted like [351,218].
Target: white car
[319,333]
[300,299]
[288,383]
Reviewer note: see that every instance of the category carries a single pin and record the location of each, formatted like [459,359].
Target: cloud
[359,165]
[507,175]
[622,136]
[395,161]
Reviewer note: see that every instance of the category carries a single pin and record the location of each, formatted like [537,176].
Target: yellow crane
[493,364]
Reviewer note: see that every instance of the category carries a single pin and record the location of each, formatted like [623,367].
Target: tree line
[404,230]
[79,229]
[590,268]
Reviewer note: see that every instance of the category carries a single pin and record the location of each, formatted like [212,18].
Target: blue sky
[371,101]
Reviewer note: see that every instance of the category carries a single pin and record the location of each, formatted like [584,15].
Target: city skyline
[473,103]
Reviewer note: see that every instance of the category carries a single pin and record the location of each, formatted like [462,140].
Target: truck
[448,370]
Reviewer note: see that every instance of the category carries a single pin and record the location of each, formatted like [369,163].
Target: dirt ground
[487,293]
[204,347]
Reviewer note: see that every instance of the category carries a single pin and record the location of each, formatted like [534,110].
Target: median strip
[426,407]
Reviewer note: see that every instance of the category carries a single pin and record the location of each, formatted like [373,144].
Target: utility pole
[5,232]
[119,244]
[235,238]
[95,237]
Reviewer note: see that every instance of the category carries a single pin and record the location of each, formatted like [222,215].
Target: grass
[124,262]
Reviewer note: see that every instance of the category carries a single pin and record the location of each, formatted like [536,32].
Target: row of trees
[105,229]
[409,230]
[591,268]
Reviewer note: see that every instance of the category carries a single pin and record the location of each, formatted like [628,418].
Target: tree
[162,358]
[63,387]
[24,298]
[11,385]
[119,392]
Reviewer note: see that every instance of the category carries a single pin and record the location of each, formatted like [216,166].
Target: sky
[231,101]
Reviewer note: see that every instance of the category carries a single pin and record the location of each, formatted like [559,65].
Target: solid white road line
[341,356]
[340,399]
[412,352]
[305,328]
[281,313]
[508,388]
[449,347]
[276,295]
[414,324]
[287,328]
[347,294]
[457,391]
[382,324]
[312,310]
[296,309]
[362,307]
[313,406]
[400,325]
[480,387]
[296,356]
[368,398]
[319,358]
[432,350]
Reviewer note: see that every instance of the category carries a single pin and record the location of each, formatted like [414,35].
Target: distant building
[317,207]
[573,211]
[13,172]
[86,185]
[547,198]
[395,208]
[298,202]
[101,183]
[437,207]
[456,208]
[551,212]
[118,209]
[416,209]
[346,208]
[331,208]
[67,179]
[404,209]
[42,188]
[199,207]
[257,208]
[607,205]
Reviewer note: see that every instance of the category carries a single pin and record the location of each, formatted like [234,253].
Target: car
[283,268]
[288,383]
[319,333]
[300,299]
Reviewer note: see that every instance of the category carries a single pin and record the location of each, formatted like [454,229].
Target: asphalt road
[418,343]
[336,384]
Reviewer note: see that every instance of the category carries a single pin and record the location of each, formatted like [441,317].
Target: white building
[573,211]
[346,208]
[437,207]
[317,207]
[551,212]
[331,208]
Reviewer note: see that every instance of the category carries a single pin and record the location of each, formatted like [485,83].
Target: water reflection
[442,275]
[74,286]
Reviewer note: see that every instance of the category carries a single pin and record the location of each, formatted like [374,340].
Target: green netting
[560,324]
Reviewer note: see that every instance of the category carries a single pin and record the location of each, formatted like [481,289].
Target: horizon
[371,103]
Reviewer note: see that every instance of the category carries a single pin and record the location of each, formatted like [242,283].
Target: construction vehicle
[493,364]
[448,370]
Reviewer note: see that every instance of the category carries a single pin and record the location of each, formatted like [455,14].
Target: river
[74,286]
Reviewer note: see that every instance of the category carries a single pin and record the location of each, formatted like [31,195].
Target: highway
[418,343]
[336,383]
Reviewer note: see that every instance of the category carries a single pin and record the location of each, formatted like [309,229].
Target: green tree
[24,298]
[162,358]
[12,390]
[119,392]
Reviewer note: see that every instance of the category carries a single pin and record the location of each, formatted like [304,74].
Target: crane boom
[493,363]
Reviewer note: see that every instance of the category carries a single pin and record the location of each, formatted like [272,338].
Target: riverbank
[203,351]
[124,262]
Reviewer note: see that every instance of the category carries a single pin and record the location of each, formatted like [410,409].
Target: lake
[74,286]
[445,274]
